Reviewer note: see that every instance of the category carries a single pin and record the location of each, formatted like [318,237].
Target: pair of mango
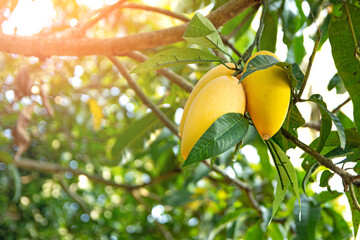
[265,94]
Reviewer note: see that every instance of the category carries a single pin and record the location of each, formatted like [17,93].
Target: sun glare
[29,17]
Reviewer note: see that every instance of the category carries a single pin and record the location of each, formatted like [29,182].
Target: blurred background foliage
[80,114]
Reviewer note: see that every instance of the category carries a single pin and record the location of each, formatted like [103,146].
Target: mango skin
[218,97]
[215,72]
[268,96]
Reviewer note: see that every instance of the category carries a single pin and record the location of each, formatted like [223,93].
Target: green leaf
[325,177]
[202,32]
[274,232]
[135,135]
[175,56]
[352,139]
[308,175]
[14,172]
[224,133]
[310,215]
[340,229]
[355,157]
[298,74]
[6,157]
[297,50]
[286,175]
[326,196]
[352,142]
[345,120]
[269,34]
[254,232]
[293,19]
[324,111]
[325,122]
[342,46]
[355,214]
[229,218]
[339,152]
[335,82]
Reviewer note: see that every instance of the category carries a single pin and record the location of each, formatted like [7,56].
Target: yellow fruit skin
[263,52]
[267,98]
[218,97]
[215,72]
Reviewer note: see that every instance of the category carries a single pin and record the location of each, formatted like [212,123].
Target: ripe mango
[268,95]
[215,72]
[219,96]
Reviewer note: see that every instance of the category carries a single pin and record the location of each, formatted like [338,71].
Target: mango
[219,96]
[268,96]
[215,72]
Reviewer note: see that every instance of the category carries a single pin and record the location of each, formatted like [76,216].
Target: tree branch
[166,121]
[308,69]
[48,46]
[347,177]
[173,77]
[121,5]
[73,195]
[239,184]
[341,105]
[103,13]
[179,16]
[33,165]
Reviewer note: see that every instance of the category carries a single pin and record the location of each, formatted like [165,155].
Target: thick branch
[48,46]
[166,121]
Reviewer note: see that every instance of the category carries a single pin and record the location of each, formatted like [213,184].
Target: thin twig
[165,232]
[101,15]
[256,41]
[157,10]
[341,105]
[73,195]
[165,120]
[315,125]
[241,185]
[227,43]
[170,75]
[311,60]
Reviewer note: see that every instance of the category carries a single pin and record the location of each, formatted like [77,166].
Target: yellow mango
[268,95]
[215,72]
[218,97]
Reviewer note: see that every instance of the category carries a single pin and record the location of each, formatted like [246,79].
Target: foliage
[83,156]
